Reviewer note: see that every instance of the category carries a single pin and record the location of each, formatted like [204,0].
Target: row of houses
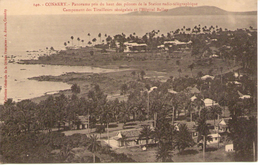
[167,45]
[132,137]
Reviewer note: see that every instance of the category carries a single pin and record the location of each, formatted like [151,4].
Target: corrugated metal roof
[131,133]
[193,90]
[134,44]
[190,125]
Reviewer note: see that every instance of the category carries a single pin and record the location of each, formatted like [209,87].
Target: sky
[27,7]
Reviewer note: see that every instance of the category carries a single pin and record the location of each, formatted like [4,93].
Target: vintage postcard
[114,81]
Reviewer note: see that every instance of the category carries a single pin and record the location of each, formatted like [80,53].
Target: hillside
[200,10]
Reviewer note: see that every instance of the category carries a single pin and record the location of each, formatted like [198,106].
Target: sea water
[38,32]
[19,87]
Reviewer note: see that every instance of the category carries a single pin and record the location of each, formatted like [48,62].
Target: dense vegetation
[27,125]
[30,132]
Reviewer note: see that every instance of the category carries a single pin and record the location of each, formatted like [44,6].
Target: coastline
[157,67]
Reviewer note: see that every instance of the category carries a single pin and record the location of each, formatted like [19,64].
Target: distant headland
[199,10]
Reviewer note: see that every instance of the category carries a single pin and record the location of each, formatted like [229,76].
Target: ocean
[19,87]
[36,32]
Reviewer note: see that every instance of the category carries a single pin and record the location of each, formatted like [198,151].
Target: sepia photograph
[128,81]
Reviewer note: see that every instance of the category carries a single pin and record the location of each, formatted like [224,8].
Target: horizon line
[125,13]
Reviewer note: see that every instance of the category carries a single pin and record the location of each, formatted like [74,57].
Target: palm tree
[78,40]
[191,109]
[123,117]
[72,40]
[178,62]
[146,132]
[183,139]
[124,89]
[215,110]
[199,103]
[203,131]
[47,49]
[25,114]
[99,35]
[75,89]
[65,153]
[89,36]
[68,42]
[179,70]
[133,73]
[191,66]
[65,44]
[142,73]
[123,140]
[164,152]
[106,115]
[94,40]
[94,145]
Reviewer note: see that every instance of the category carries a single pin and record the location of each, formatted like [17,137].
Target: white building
[215,138]
[229,148]
[131,47]
[209,102]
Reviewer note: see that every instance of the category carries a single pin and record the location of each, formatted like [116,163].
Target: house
[172,91]
[243,96]
[234,83]
[129,138]
[213,125]
[207,76]
[177,44]
[161,47]
[131,47]
[229,148]
[214,56]
[215,138]
[237,75]
[209,102]
[223,125]
[83,122]
[191,127]
[193,90]
[193,98]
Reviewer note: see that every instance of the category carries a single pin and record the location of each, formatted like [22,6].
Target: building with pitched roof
[129,138]
[191,127]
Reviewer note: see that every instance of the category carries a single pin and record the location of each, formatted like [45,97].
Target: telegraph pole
[254,151]
[107,135]
[148,108]
[204,147]
[88,121]
[107,130]
[172,113]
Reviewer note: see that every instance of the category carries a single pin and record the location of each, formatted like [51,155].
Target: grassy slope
[156,65]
